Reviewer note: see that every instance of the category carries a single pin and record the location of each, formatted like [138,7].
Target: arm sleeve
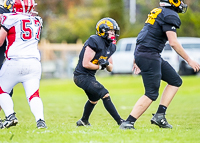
[7,21]
[5,28]
[92,44]
[3,10]
[168,28]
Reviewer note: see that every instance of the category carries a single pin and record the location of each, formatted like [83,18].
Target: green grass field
[64,102]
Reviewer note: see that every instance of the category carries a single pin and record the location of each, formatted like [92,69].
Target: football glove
[103,64]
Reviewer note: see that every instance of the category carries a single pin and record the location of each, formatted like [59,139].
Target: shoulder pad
[173,20]
[171,17]
[10,20]
[92,42]
[96,37]
[3,10]
[95,42]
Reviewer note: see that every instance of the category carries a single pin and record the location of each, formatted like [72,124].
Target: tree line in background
[70,20]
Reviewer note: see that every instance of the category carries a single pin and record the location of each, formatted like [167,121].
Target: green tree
[67,20]
[116,11]
[190,24]
[79,23]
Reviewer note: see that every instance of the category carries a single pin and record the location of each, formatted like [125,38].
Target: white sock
[6,104]
[36,106]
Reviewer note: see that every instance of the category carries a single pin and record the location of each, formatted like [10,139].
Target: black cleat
[11,120]
[127,125]
[121,121]
[82,123]
[41,124]
[160,120]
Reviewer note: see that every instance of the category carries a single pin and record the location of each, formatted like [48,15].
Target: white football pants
[25,71]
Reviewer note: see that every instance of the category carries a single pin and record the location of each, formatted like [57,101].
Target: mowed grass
[63,106]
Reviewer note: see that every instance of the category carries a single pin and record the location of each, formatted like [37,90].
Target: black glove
[103,63]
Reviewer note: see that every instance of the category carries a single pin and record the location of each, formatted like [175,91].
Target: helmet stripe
[32,5]
[29,6]
[23,6]
[107,22]
[176,4]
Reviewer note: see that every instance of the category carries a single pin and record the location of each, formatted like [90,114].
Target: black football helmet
[106,24]
[177,5]
[8,4]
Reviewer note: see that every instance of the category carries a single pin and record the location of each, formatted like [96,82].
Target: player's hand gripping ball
[103,64]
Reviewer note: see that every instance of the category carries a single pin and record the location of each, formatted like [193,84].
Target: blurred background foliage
[70,20]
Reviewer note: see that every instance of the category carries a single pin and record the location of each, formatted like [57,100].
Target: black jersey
[3,47]
[152,37]
[102,48]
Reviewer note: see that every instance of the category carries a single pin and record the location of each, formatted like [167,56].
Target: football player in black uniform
[2,50]
[159,27]
[96,54]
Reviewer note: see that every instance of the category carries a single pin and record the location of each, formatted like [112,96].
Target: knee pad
[152,97]
[178,82]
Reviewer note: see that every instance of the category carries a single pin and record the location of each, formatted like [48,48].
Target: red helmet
[24,6]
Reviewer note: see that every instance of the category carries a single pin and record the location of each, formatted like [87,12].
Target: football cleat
[82,123]
[127,125]
[11,120]
[160,120]
[41,124]
[121,121]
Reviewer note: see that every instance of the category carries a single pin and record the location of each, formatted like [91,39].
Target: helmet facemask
[177,5]
[182,8]
[114,38]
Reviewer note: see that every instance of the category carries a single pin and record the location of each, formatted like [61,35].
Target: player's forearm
[109,67]
[3,34]
[90,66]
[179,49]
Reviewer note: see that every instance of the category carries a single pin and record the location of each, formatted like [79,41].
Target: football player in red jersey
[22,64]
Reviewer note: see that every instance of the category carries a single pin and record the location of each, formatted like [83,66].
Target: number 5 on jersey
[27,31]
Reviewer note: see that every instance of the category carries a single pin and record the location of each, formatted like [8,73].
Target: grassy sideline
[64,102]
